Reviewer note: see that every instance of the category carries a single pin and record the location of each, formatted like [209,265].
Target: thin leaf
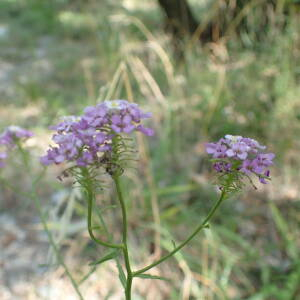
[107,257]
[174,245]
[148,276]
[122,276]
[108,207]
[47,265]
[96,227]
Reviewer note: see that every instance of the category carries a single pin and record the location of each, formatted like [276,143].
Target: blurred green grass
[62,55]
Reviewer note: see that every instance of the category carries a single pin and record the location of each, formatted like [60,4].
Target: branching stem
[89,189]
[199,228]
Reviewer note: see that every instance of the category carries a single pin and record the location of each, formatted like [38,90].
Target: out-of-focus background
[204,68]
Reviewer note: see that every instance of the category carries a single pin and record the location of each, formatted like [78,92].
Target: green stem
[124,240]
[200,227]
[90,199]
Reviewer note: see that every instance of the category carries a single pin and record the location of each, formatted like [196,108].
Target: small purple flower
[216,149]
[265,159]
[85,159]
[100,138]
[136,113]
[53,155]
[238,150]
[222,167]
[145,130]
[66,124]
[263,179]
[249,166]
[122,123]
[253,144]
[96,116]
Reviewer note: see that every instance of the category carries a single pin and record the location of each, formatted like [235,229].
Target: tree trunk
[180,19]
[181,22]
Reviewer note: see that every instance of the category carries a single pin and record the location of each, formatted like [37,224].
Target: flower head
[236,157]
[87,139]
[12,134]
[9,138]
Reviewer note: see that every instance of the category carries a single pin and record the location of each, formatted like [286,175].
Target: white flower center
[115,104]
[233,138]
[70,119]
[13,128]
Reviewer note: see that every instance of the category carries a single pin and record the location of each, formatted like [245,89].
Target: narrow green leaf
[109,256]
[148,276]
[174,245]
[47,265]
[96,227]
[122,276]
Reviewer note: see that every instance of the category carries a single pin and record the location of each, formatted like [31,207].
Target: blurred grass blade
[87,275]
[284,230]
[175,189]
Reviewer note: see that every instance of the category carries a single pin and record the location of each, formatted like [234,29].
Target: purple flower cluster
[12,134]
[237,153]
[86,139]
[9,138]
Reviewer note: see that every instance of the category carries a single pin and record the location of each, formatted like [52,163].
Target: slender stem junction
[200,227]
[89,189]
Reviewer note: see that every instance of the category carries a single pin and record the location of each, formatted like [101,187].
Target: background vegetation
[56,57]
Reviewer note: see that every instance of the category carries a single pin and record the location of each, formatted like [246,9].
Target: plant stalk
[90,199]
[124,240]
[199,228]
